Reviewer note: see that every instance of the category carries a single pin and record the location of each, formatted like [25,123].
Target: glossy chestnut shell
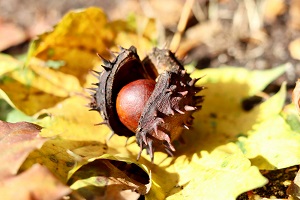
[131,101]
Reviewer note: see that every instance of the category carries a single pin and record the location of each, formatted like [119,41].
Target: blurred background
[255,34]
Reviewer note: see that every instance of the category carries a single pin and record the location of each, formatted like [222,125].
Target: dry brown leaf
[10,35]
[167,11]
[193,38]
[36,183]
[17,140]
[294,48]
[294,14]
[274,8]
[294,189]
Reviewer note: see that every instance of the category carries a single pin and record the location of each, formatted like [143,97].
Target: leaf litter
[223,152]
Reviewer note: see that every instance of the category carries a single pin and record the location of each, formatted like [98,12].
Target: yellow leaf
[107,176]
[73,125]
[75,40]
[222,174]
[53,81]
[71,119]
[8,63]
[222,118]
[275,142]
[27,99]
[81,34]
[33,88]
[55,154]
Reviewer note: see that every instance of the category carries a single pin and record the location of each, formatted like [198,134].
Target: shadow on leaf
[221,120]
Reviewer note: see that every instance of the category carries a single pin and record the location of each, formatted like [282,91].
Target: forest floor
[256,35]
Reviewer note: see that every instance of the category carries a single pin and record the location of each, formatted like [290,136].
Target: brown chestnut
[131,101]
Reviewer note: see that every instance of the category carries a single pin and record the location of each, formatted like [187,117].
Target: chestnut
[131,101]
[153,99]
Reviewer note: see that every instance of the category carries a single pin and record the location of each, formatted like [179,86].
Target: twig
[186,11]
[213,10]
[253,15]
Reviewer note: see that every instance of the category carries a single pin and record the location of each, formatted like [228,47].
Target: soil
[279,180]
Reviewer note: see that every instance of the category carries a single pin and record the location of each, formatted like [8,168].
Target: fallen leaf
[291,116]
[106,177]
[30,89]
[17,140]
[294,189]
[162,180]
[221,153]
[35,183]
[28,99]
[294,12]
[55,154]
[222,174]
[79,36]
[221,121]
[167,11]
[8,63]
[70,124]
[192,38]
[59,61]
[294,48]
[10,35]
[274,8]
[271,139]
[75,40]
[10,114]
[275,142]
[71,119]
[49,80]
[222,118]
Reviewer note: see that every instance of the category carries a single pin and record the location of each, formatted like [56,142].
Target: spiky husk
[170,107]
[168,110]
[125,68]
